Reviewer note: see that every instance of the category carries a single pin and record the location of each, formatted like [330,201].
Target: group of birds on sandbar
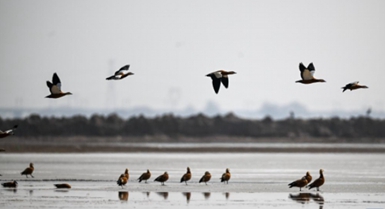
[305,181]
[217,77]
[123,178]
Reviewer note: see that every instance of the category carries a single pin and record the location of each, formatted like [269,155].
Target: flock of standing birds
[217,77]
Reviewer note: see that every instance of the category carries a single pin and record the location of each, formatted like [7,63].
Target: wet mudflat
[258,180]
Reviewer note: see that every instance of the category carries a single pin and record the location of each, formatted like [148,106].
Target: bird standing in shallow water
[10,184]
[353,86]
[8,132]
[162,178]
[63,186]
[308,177]
[28,171]
[205,178]
[186,176]
[121,73]
[122,180]
[219,77]
[55,88]
[126,174]
[299,183]
[226,176]
[145,176]
[307,74]
[318,182]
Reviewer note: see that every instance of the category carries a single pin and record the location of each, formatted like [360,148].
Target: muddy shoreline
[182,145]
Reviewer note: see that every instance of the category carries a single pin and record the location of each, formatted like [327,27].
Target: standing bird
[318,182]
[122,180]
[10,184]
[28,171]
[307,74]
[186,176]
[205,178]
[8,132]
[55,88]
[145,176]
[121,73]
[226,176]
[218,77]
[299,183]
[162,178]
[63,186]
[308,177]
[352,86]
[126,174]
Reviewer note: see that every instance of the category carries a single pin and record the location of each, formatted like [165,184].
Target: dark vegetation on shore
[196,126]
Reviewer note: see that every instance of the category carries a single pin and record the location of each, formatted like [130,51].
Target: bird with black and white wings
[218,77]
[55,88]
[8,132]
[307,74]
[121,73]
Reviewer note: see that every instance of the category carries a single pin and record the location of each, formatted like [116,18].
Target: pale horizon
[172,45]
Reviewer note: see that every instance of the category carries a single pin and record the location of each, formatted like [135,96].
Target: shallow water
[258,180]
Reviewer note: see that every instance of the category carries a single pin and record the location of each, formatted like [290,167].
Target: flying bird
[186,176]
[219,77]
[28,171]
[8,132]
[307,74]
[121,73]
[318,182]
[145,176]
[162,178]
[353,86]
[226,176]
[55,88]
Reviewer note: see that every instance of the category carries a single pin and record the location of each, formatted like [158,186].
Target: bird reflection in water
[147,194]
[300,197]
[187,195]
[227,195]
[318,199]
[123,196]
[163,194]
[14,190]
[305,198]
[206,195]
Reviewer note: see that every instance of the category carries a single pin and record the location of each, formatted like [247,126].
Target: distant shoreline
[184,145]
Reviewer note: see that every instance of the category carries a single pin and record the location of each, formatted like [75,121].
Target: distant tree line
[195,126]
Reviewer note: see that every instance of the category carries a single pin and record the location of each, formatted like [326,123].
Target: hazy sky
[172,45]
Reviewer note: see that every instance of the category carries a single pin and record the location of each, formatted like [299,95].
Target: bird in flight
[219,77]
[352,86]
[121,73]
[55,88]
[307,74]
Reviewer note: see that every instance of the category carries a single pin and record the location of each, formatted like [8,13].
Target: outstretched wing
[225,81]
[56,80]
[56,88]
[122,69]
[216,84]
[311,68]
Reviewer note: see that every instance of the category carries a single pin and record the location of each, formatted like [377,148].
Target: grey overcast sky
[172,44]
